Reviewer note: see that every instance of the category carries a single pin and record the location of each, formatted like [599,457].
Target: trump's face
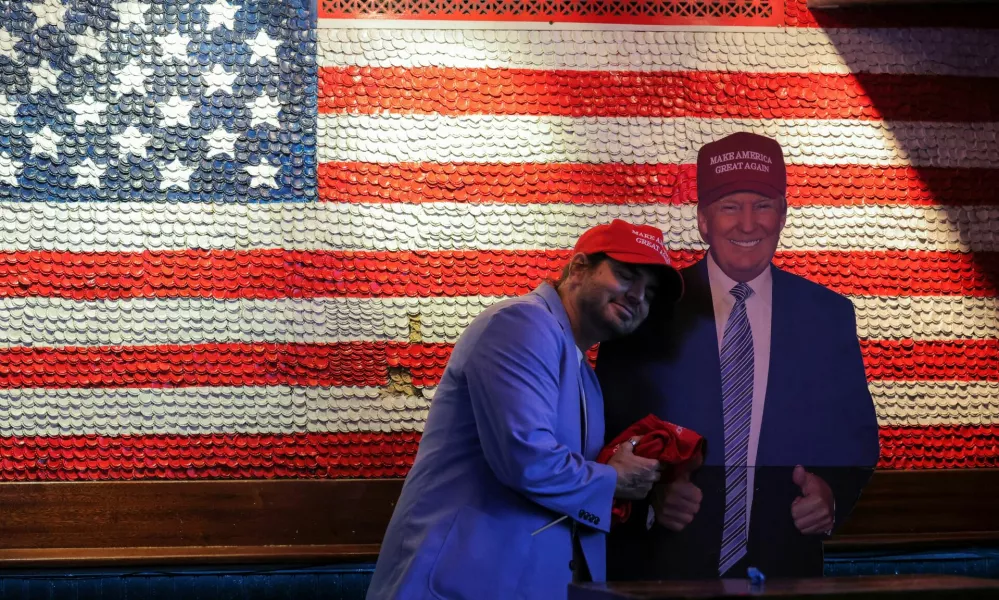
[742,230]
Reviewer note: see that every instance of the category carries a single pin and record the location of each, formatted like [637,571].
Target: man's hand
[813,511]
[635,475]
[677,501]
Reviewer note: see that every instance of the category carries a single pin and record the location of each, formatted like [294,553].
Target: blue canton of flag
[138,101]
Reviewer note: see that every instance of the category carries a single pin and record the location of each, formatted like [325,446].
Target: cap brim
[740,186]
[670,281]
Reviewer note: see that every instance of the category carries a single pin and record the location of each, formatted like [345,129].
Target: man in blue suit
[505,499]
[767,367]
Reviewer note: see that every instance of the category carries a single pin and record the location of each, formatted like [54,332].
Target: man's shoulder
[529,311]
[532,303]
[811,296]
[511,327]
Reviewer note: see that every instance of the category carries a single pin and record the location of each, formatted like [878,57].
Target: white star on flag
[263,46]
[265,109]
[43,77]
[176,111]
[221,141]
[131,13]
[49,12]
[8,109]
[174,45]
[8,169]
[176,174]
[87,110]
[263,174]
[88,173]
[45,141]
[132,78]
[89,43]
[132,141]
[218,79]
[220,13]
[7,41]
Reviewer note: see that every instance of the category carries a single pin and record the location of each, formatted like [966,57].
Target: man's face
[614,297]
[742,231]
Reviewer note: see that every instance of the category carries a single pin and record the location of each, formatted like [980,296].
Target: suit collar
[549,295]
[721,284]
[696,276]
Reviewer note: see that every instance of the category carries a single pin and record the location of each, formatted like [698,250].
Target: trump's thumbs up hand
[676,502]
[813,511]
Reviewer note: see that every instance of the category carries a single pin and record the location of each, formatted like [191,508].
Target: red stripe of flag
[935,360]
[521,183]
[537,183]
[346,364]
[371,363]
[333,456]
[659,94]
[273,274]
[939,447]
[217,456]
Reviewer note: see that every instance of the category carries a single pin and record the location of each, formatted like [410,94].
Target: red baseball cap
[634,244]
[741,162]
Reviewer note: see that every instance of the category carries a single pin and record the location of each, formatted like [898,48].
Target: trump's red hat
[741,162]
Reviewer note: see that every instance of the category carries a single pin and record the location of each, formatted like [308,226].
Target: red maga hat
[635,244]
[741,162]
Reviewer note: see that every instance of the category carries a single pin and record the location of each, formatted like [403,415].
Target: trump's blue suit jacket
[508,447]
[818,413]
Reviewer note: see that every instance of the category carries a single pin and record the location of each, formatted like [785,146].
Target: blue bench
[349,582]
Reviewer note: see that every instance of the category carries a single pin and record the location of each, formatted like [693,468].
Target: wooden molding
[923,508]
[173,522]
[187,555]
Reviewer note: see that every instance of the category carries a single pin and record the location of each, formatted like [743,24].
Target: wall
[238,244]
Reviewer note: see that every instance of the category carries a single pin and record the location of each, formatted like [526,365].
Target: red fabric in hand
[668,443]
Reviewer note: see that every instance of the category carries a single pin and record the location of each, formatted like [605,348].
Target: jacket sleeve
[513,380]
[860,446]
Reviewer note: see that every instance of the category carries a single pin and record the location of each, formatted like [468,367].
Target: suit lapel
[781,364]
[553,301]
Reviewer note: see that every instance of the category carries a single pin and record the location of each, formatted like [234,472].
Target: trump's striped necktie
[737,407]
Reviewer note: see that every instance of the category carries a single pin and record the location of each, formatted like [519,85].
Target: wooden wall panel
[327,521]
[925,508]
[214,521]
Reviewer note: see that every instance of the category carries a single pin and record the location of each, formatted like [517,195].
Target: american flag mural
[239,241]
[470,157]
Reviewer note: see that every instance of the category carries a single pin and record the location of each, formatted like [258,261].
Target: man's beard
[596,318]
